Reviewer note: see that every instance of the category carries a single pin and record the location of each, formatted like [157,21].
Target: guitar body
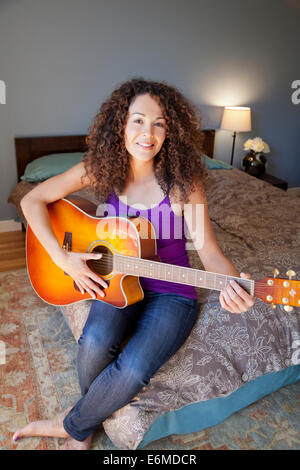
[77,228]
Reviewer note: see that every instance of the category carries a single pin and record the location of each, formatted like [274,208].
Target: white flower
[257,145]
[266,148]
[247,144]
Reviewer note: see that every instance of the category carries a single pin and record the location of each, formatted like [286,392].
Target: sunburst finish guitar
[128,247]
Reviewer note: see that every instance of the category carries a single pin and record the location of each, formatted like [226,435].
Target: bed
[229,361]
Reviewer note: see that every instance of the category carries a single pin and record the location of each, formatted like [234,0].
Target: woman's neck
[141,172]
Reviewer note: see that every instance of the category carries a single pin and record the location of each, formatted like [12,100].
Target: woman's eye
[140,120]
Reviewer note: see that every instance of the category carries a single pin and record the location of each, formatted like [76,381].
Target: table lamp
[237,119]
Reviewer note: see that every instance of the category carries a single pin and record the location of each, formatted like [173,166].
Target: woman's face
[145,130]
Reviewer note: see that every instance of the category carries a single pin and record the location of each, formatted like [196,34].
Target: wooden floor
[12,251]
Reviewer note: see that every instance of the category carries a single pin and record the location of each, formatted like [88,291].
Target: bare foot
[46,427]
[72,444]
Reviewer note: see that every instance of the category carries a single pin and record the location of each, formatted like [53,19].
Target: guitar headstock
[274,290]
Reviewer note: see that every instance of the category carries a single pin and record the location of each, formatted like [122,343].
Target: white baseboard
[294,191]
[10,226]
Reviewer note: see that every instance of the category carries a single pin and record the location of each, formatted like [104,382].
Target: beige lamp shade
[236,118]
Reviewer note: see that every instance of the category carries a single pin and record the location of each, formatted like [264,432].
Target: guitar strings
[258,289]
[107,263]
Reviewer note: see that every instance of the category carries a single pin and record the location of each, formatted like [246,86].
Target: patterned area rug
[38,379]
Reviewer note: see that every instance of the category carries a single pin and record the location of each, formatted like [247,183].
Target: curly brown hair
[177,166]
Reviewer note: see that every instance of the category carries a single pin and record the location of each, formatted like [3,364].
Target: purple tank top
[170,240]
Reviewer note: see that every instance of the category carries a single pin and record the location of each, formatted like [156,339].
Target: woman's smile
[146,147]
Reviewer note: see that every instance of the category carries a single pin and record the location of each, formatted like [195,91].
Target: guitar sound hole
[104,265]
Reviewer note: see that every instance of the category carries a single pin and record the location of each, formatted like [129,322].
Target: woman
[143,147]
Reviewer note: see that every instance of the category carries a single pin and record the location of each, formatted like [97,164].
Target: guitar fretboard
[178,274]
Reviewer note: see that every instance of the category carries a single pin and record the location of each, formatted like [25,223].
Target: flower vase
[254,163]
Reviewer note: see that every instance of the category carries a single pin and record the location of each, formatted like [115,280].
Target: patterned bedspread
[258,229]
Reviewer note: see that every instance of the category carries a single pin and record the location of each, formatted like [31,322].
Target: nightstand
[274,181]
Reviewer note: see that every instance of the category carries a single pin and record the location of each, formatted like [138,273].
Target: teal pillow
[50,165]
[212,164]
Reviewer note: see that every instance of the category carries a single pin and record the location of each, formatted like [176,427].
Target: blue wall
[60,59]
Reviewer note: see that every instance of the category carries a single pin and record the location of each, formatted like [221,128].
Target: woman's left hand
[234,298]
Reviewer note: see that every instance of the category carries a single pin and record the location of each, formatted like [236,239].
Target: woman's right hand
[75,265]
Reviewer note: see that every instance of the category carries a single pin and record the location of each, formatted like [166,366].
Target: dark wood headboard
[30,148]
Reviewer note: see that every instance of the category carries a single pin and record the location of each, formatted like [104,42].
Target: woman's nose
[148,130]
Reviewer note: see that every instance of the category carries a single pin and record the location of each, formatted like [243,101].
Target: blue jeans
[109,378]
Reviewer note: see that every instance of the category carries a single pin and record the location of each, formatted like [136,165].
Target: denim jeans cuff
[73,434]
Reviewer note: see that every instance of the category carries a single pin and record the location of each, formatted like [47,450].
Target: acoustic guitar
[128,247]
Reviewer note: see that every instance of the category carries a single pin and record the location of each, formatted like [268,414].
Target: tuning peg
[290,273]
[275,272]
[288,308]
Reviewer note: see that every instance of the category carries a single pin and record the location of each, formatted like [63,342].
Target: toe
[16,436]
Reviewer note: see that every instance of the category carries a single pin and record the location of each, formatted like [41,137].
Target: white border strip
[10,225]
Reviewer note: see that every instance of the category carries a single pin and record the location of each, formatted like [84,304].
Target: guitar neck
[178,274]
